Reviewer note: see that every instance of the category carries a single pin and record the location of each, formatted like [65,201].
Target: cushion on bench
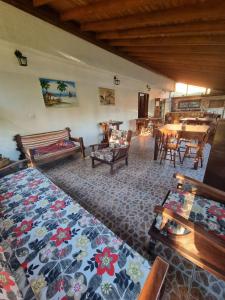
[197,209]
[64,252]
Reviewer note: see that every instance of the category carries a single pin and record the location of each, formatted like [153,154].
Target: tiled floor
[125,201]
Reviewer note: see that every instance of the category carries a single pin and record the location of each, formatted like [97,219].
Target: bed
[52,248]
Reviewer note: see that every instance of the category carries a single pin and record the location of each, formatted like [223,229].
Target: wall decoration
[58,93]
[106,96]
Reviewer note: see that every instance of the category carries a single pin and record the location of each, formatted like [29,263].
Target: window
[183,89]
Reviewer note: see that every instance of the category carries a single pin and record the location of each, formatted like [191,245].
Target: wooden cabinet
[159,108]
[215,170]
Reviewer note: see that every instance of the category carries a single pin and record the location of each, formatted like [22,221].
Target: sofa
[43,147]
[52,248]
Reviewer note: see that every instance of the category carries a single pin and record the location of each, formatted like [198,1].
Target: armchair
[114,151]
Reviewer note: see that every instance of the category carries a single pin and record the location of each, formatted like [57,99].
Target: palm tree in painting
[62,86]
[45,85]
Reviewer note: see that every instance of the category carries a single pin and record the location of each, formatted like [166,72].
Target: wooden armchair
[191,221]
[117,149]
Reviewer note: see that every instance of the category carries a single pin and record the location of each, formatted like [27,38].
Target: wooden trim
[202,188]
[155,280]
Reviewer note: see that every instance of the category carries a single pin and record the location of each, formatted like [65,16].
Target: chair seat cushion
[197,209]
[104,154]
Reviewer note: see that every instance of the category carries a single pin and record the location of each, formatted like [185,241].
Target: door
[143,105]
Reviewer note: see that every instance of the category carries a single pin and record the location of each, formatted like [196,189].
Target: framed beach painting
[58,93]
[106,96]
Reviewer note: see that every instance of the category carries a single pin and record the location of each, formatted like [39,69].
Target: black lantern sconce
[21,59]
[116,80]
[148,87]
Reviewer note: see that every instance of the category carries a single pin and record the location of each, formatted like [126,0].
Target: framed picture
[58,93]
[189,105]
[106,96]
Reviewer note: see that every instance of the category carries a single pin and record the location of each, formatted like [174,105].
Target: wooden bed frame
[202,248]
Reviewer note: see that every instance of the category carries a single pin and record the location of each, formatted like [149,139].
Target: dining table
[191,132]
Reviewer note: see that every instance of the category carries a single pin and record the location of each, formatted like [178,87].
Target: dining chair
[170,147]
[196,151]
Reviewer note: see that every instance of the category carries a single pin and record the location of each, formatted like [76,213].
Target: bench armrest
[99,146]
[200,188]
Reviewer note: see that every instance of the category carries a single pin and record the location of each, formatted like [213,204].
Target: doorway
[143,105]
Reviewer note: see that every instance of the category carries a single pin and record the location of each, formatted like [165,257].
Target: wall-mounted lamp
[21,59]
[116,80]
[148,87]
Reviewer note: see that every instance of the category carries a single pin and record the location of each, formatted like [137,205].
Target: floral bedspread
[62,250]
[197,209]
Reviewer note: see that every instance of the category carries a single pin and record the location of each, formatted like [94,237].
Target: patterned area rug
[125,201]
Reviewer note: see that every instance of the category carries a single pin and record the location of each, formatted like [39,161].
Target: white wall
[53,53]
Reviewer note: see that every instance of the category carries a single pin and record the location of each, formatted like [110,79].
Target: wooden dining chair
[170,147]
[196,151]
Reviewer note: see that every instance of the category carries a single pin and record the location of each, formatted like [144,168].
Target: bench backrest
[33,141]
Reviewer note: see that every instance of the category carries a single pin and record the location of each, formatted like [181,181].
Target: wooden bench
[190,221]
[47,146]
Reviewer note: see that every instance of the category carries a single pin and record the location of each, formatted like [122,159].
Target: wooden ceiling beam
[184,49]
[193,77]
[198,28]
[204,11]
[196,79]
[37,3]
[172,41]
[180,56]
[114,8]
[186,67]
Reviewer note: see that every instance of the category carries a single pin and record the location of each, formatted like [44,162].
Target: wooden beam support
[172,41]
[198,28]
[190,57]
[186,67]
[180,49]
[204,11]
[113,8]
[37,3]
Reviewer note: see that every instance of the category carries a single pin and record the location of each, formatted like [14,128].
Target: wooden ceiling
[181,39]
